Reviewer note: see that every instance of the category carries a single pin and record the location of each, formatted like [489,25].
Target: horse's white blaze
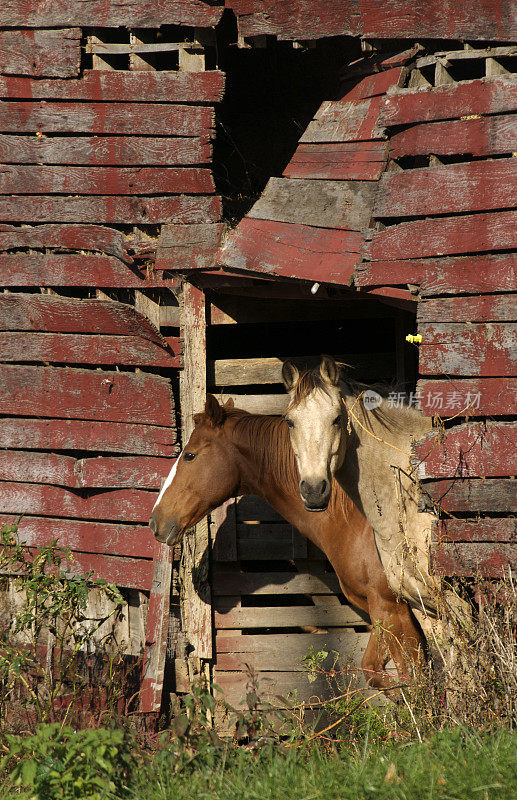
[168,480]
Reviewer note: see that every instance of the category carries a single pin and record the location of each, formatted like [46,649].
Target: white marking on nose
[168,480]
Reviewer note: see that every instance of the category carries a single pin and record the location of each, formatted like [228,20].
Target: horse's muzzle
[166,532]
[315,495]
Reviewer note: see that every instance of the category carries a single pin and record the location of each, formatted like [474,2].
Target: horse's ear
[329,370]
[290,375]
[213,411]
[229,404]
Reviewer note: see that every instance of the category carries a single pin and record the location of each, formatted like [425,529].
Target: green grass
[452,765]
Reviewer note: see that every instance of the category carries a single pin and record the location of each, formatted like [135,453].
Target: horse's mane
[267,436]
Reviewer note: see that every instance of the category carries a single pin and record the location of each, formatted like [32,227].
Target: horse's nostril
[152,524]
[323,486]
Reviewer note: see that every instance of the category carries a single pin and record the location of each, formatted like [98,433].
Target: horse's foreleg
[375,658]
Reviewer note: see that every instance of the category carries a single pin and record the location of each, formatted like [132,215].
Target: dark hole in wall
[271,95]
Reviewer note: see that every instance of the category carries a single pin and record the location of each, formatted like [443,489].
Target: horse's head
[316,418]
[203,477]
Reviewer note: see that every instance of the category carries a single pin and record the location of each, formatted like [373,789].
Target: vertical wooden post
[196,610]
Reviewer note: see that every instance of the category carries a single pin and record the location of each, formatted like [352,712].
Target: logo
[371,400]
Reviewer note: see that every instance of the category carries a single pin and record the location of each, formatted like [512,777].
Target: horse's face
[203,477]
[316,419]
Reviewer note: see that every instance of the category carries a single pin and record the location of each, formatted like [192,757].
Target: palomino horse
[345,430]
[230,453]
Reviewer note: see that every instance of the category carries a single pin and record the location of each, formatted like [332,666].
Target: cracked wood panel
[134,541]
[448,189]
[118,86]
[446,235]
[51,313]
[341,121]
[49,53]
[106,150]
[488,529]
[89,436]
[473,495]
[294,251]
[38,179]
[86,394]
[338,161]
[126,505]
[110,13]
[479,349]
[344,205]
[116,210]
[480,308]
[69,237]
[474,449]
[496,395]
[393,19]
[483,136]
[182,247]
[52,269]
[150,119]
[101,472]
[478,97]
[70,348]
[481,559]
[438,276]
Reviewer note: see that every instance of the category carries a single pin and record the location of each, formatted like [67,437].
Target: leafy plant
[58,763]
[45,635]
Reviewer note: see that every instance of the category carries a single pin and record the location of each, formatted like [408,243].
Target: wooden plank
[67,348]
[489,529]
[126,505]
[50,269]
[286,617]
[372,85]
[315,19]
[473,495]
[494,396]
[135,541]
[475,449]
[481,308]
[249,507]
[475,560]
[484,349]
[103,437]
[51,53]
[232,582]
[223,532]
[245,371]
[148,119]
[236,685]
[188,246]
[447,235]
[38,179]
[338,161]
[145,14]
[478,97]
[451,189]
[346,205]
[51,313]
[468,274]
[86,394]
[258,403]
[68,237]
[482,136]
[129,472]
[117,85]
[127,572]
[118,210]
[157,628]
[338,121]
[293,251]
[196,608]
[105,150]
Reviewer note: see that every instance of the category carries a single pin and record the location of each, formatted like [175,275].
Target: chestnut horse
[231,453]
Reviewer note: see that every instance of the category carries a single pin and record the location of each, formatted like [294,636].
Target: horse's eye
[337,420]
[189,456]
[289,422]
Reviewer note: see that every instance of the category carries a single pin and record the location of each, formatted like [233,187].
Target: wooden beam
[50,53]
